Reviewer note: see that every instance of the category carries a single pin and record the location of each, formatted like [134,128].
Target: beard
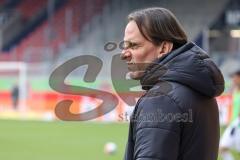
[136,70]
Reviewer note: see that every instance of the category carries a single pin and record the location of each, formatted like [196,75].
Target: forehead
[132,32]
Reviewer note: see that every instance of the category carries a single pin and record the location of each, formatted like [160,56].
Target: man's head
[150,34]
[236,79]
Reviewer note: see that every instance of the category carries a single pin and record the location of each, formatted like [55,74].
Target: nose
[125,55]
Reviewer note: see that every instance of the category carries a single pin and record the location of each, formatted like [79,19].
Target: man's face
[236,80]
[137,51]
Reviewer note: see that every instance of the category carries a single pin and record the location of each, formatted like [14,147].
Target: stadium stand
[109,25]
[104,26]
[55,31]
[29,7]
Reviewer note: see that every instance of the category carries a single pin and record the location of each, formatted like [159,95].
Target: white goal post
[21,67]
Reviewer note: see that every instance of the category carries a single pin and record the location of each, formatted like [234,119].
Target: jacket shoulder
[183,96]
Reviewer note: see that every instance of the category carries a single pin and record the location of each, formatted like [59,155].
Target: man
[177,117]
[236,94]
[231,136]
[15,96]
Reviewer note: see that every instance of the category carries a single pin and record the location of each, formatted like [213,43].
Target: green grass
[235,154]
[28,140]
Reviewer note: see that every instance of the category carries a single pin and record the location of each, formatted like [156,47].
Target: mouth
[129,64]
[132,66]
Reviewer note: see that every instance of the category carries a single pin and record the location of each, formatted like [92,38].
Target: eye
[134,46]
[128,44]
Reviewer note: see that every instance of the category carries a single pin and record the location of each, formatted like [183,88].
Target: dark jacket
[177,118]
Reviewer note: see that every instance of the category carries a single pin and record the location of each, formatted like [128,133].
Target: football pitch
[34,140]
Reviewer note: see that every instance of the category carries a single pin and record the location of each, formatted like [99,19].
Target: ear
[165,48]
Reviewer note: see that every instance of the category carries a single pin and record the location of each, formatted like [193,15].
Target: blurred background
[37,36]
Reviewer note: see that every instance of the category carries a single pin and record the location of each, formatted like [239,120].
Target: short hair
[159,24]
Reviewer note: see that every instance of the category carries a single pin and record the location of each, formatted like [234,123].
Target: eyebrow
[132,41]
